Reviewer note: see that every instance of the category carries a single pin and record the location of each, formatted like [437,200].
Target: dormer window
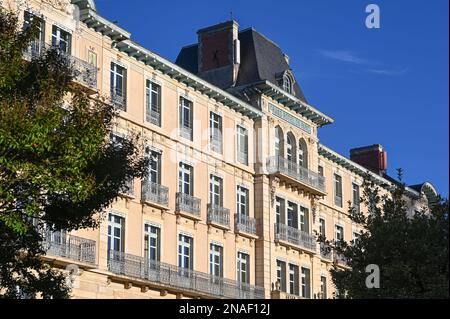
[287,83]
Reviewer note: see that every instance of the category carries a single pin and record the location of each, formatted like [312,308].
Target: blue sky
[386,86]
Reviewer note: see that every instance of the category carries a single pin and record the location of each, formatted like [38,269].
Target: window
[185,252]
[243,267]
[242,201]
[306,283]
[153,99]
[320,170]
[355,195]
[355,237]
[242,145]
[279,147]
[186,118]
[215,190]
[338,233]
[293,280]
[292,215]
[116,230]
[215,132]
[61,39]
[287,83]
[37,45]
[185,179]
[279,210]
[337,190]
[304,219]
[302,154]
[154,167]
[92,58]
[322,227]
[323,287]
[152,242]
[216,260]
[281,274]
[290,151]
[118,85]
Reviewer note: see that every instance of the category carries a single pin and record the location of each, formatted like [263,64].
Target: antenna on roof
[231,15]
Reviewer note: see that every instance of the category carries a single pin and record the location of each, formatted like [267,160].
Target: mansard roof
[261,60]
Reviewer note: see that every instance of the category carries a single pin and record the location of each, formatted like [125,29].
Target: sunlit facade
[238,185]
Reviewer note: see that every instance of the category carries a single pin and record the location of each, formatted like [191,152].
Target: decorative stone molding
[144,288]
[274,184]
[61,5]
[314,206]
[163,293]
[127,285]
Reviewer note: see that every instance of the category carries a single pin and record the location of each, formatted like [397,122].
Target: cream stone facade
[227,215]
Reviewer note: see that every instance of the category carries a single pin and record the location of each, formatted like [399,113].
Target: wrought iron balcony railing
[242,157]
[340,259]
[326,251]
[295,236]
[278,164]
[84,72]
[69,246]
[186,132]
[118,98]
[180,278]
[156,193]
[219,215]
[154,117]
[187,203]
[244,223]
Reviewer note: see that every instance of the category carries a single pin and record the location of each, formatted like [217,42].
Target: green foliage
[411,250]
[56,163]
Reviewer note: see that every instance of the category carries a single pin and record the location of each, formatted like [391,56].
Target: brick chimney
[372,157]
[219,53]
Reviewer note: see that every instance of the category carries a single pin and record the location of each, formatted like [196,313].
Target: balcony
[186,132]
[278,294]
[326,252]
[164,276]
[154,117]
[187,205]
[117,98]
[245,224]
[84,72]
[128,189]
[295,237]
[218,216]
[340,260]
[60,244]
[295,175]
[242,157]
[154,193]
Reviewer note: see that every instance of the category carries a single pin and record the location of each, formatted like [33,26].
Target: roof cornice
[290,101]
[94,21]
[360,170]
[150,58]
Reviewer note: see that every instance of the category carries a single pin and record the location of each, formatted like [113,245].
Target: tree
[57,166]
[410,251]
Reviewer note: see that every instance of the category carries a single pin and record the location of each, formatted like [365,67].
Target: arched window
[287,83]
[279,147]
[302,154]
[291,151]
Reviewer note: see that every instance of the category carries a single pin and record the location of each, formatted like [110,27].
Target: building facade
[238,185]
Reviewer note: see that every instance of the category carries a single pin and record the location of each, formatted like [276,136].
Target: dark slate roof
[188,58]
[261,59]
